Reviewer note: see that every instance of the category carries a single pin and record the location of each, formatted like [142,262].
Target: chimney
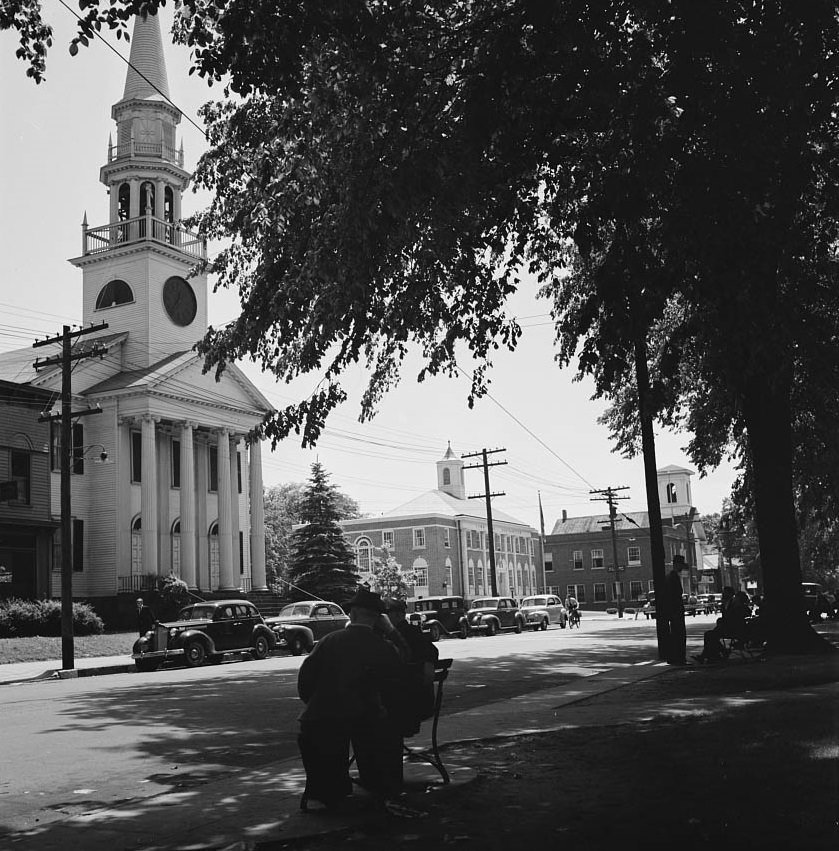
[564,515]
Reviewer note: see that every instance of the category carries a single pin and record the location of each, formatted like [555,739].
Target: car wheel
[296,646]
[145,666]
[517,628]
[491,628]
[544,625]
[260,647]
[194,654]
[563,623]
[434,632]
[464,631]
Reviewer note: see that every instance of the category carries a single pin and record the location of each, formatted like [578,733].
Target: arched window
[672,496]
[214,556]
[176,547]
[168,205]
[137,546]
[364,555]
[420,571]
[447,476]
[113,293]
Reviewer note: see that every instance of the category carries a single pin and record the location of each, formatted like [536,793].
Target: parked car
[540,612]
[205,632]
[300,625]
[440,616]
[490,615]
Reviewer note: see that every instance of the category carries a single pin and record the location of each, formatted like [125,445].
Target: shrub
[20,618]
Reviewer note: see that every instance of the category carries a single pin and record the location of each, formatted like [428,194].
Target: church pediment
[180,378]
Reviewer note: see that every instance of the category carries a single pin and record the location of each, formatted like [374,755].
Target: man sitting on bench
[413,699]
[732,624]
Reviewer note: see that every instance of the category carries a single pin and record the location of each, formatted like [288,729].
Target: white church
[180,487]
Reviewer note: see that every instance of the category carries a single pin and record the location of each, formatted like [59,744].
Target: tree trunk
[768,417]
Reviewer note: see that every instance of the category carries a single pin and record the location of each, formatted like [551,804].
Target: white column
[148,495]
[258,579]
[187,508]
[234,510]
[225,512]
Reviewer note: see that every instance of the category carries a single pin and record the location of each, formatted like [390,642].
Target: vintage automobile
[439,616]
[205,632]
[540,612]
[490,615]
[300,625]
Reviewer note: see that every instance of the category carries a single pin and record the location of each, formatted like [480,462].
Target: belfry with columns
[165,479]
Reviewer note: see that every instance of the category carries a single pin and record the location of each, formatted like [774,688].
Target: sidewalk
[18,672]
[258,809]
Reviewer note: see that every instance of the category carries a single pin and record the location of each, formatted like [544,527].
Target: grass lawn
[48,648]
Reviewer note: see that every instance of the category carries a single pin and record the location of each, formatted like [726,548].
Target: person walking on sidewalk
[675,611]
[344,683]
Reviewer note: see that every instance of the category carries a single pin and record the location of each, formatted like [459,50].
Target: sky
[53,141]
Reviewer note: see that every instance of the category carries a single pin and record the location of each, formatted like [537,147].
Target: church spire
[146,77]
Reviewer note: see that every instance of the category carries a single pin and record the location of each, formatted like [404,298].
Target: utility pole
[609,495]
[487,495]
[66,416]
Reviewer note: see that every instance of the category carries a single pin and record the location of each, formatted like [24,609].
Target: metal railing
[143,582]
[157,150]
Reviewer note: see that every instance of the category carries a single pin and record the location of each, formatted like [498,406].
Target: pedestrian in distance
[345,683]
[675,612]
[145,617]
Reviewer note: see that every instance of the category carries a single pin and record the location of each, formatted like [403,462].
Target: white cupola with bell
[450,475]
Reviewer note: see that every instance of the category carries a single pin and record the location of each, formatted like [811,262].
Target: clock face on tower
[179,301]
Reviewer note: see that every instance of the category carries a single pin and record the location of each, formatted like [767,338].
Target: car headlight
[174,632]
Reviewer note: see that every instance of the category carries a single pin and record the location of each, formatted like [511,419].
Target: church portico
[196,503]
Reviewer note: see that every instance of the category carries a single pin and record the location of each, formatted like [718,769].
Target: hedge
[21,618]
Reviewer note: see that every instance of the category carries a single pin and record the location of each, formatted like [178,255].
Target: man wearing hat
[345,683]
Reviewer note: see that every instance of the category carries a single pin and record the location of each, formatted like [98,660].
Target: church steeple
[146,76]
[138,268]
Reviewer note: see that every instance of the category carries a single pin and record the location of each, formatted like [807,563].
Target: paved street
[72,745]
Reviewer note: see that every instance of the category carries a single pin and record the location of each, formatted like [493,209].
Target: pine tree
[321,562]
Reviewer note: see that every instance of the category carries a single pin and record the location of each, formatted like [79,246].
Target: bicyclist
[572,607]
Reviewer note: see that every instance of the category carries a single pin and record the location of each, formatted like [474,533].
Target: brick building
[441,537]
[580,554]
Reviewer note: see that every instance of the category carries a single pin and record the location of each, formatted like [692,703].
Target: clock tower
[143,271]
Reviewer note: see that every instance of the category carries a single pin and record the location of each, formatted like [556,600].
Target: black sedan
[205,632]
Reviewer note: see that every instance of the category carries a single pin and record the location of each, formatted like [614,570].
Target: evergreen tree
[321,563]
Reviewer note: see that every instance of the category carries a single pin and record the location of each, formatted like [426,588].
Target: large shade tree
[392,171]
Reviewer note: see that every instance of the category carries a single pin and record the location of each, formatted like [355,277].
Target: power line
[130,65]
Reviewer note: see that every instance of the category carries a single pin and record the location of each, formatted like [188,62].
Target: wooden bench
[431,755]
